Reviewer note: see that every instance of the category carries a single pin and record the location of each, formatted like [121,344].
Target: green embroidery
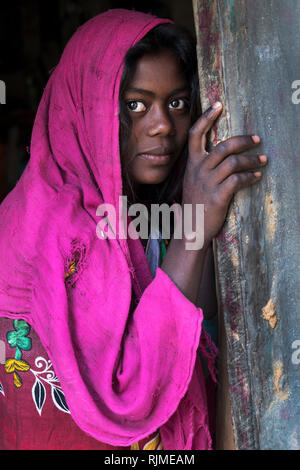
[18,338]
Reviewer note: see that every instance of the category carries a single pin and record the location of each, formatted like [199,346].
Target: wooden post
[249,59]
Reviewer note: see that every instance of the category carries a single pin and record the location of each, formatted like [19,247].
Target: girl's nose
[160,123]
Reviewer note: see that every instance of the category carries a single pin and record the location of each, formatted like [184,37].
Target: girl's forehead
[158,69]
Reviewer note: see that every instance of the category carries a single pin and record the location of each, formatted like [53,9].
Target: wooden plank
[249,58]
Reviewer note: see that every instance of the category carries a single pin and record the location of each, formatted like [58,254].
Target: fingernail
[257,174]
[216,105]
[255,138]
[263,158]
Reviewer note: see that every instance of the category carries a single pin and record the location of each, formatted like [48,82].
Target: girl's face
[157,99]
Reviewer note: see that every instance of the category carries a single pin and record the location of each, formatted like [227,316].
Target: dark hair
[179,41]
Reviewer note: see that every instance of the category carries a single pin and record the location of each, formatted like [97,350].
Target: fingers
[235,182]
[237,163]
[232,145]
[198,140]
[197,134]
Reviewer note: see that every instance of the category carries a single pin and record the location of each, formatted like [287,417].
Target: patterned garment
[34,414]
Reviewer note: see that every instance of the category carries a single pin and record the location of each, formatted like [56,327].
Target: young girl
[100,336]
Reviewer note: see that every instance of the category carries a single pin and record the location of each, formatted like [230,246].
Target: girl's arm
[207,295]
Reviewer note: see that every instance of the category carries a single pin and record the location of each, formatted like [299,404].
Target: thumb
[197,134]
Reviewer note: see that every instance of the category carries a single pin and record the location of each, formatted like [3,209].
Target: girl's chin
[154,177]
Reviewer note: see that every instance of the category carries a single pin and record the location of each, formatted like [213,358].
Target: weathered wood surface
[249,58]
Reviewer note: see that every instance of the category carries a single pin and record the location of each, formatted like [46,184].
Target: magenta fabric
[122,379]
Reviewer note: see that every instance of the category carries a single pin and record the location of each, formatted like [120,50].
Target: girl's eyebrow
[150,93]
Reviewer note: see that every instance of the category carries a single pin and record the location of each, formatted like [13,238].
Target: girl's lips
[158,159]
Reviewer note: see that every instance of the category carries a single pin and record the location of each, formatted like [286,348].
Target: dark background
[32,37]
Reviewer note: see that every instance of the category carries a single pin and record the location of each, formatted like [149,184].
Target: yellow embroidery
[153,444]
[75,263]
[12,364]
[71,269]
[17,380]
[135,446]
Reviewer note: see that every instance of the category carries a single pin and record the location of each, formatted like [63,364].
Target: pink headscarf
[124,374]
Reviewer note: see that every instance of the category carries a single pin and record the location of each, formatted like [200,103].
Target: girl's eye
[136,106]
[178,103]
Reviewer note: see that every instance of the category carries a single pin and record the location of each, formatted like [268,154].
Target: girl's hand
[212,178]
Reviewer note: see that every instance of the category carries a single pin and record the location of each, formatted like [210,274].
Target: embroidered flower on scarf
[18,338]
[44,374]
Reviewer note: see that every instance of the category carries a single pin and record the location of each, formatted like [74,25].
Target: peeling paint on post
[249,59]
